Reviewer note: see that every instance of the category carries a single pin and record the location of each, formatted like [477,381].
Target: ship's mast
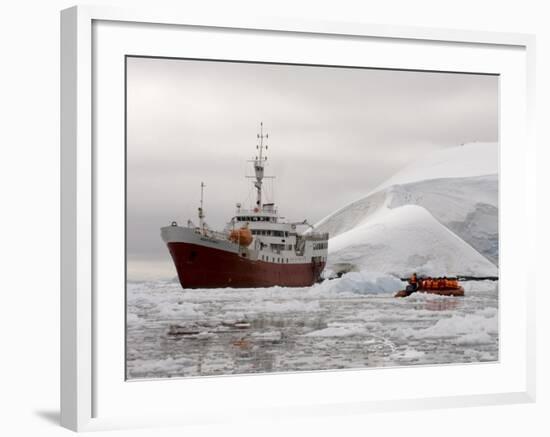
[259,165]
[201,209]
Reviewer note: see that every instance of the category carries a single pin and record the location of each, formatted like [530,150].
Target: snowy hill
[455,197]
[474,159]
[407,239]
[466,206]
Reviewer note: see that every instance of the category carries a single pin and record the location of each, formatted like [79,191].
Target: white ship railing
[212,234]
[315,236]
[259,211]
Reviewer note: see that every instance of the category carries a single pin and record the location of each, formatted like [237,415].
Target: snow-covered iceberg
[436,216]
[361,282]
[407,239]
[468,160]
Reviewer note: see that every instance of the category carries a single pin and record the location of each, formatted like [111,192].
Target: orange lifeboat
[242,236]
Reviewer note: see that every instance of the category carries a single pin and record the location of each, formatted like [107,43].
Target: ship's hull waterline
[207,267]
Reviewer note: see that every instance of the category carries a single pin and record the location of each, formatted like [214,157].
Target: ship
[257,247]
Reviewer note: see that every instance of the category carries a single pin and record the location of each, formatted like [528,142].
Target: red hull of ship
[205,267]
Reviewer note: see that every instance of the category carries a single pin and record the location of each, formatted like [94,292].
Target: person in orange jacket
[413,283]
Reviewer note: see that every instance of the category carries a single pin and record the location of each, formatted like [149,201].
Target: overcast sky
[334,134]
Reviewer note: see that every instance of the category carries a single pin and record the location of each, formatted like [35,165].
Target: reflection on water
[175,333]
[442,304]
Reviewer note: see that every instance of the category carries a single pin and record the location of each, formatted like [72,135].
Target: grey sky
[334,134]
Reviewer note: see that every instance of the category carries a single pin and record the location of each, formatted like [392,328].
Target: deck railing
[316,236]
[212,234]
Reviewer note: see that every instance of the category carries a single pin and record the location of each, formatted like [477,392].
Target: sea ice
[363,282]
[341,323]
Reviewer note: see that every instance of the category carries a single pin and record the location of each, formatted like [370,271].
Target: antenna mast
[259,165]
[201,210]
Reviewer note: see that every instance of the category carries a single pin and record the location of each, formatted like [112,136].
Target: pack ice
[437,216]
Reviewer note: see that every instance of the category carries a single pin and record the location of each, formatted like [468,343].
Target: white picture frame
[82,372]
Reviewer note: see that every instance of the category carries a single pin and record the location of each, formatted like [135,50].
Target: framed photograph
[291,218]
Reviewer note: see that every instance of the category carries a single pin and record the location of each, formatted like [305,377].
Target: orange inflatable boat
[443,286]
